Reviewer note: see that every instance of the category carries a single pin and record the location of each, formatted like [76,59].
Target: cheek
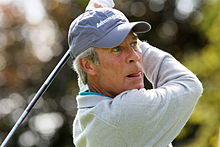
[111,64]
[111,68]
[111,71]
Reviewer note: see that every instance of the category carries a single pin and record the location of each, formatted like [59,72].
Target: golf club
[39,93]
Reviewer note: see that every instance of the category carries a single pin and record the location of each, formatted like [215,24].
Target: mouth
[135,75]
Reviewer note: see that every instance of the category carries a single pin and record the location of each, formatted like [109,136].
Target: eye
[116,49]
[134,44]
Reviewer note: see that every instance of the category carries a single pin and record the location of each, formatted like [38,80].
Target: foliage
[206,65]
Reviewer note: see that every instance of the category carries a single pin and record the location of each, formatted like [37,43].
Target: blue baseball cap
[101,28]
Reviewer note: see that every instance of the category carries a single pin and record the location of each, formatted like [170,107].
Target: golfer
[114,108]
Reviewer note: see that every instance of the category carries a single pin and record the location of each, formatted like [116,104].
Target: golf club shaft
[39,93]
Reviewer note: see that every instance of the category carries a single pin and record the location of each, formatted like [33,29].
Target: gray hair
[90,54]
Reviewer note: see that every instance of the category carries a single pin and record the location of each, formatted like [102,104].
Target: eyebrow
[134,36]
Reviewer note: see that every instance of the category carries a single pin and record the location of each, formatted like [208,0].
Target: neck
[94,88]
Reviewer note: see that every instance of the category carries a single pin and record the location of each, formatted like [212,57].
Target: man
[115,110]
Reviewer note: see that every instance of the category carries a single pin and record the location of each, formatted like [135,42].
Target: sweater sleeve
[156,116]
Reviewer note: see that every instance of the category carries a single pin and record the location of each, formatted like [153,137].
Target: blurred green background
[33,38]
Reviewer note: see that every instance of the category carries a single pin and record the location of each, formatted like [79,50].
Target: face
[120,68]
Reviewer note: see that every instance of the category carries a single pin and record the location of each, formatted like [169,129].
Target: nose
[133,56]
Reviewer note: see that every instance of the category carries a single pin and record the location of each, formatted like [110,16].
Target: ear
[88,66]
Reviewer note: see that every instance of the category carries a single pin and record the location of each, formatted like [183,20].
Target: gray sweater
[140,118]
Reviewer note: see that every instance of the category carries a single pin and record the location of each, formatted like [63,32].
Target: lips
[135,75]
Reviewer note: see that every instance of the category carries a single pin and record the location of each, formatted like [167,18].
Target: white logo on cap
[105,21]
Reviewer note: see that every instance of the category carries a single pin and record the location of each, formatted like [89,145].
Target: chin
[136,87]
[136,84]
[139,87]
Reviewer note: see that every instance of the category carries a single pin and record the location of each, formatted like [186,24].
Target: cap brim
[116,36]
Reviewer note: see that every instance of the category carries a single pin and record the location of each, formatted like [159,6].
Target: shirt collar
[90,99]
[92,93]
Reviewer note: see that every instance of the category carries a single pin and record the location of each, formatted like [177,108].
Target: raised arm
[159,114]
